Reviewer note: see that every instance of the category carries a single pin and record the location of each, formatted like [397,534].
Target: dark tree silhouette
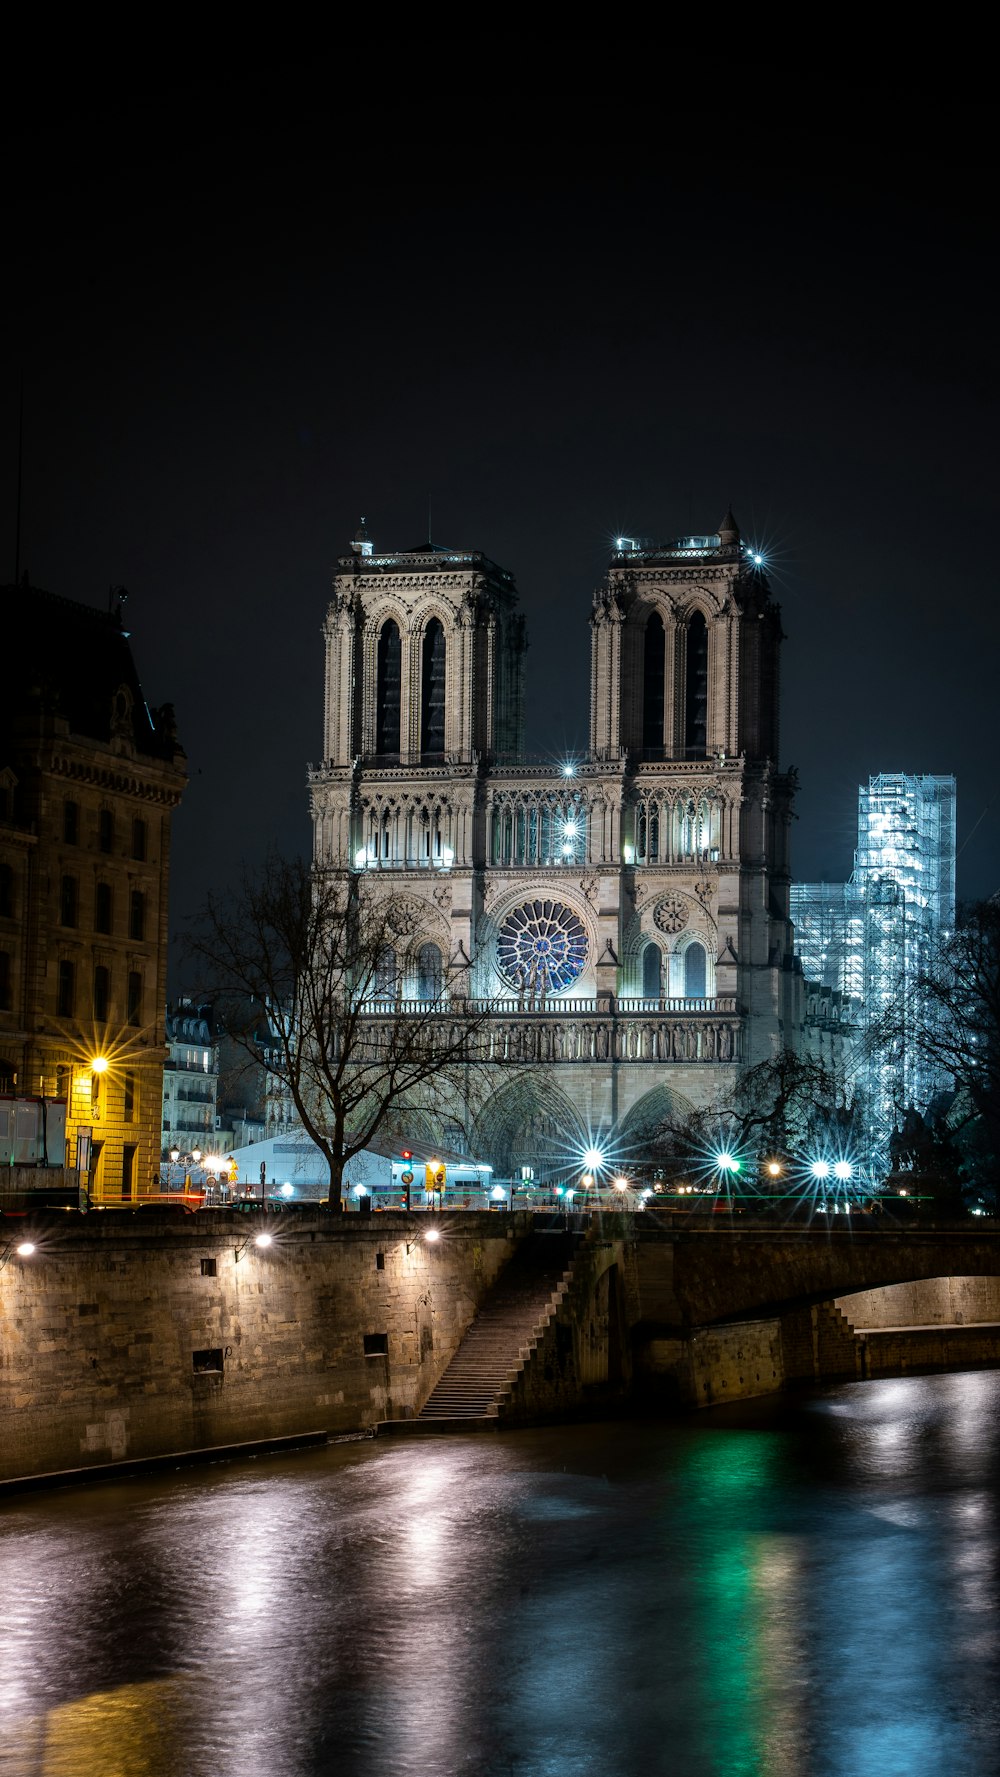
[323,954]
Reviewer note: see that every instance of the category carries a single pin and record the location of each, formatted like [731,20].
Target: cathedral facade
[619,920]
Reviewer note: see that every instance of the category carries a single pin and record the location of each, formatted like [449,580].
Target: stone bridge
[724,1313]
[699,1277]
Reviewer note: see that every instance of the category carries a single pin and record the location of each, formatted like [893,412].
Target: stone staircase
[503,1335]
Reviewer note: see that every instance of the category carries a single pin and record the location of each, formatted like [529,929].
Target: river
[802,1588]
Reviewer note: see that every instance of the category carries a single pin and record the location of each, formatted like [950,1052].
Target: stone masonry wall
[132,1334]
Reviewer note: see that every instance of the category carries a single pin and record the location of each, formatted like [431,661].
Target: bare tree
[953,1020]
[324,955]
[781,1104]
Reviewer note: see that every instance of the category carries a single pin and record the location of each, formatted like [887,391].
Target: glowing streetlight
[620,1184]
[24,1249]
[99,1064]
[843,1170]
[727,1163]
[431,1236]
[264,1240]
[774,1168]
[820,1169]
[593,1160]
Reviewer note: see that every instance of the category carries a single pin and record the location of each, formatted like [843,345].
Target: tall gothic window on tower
[432,699]
[388,676]
[696,699]
[654,655]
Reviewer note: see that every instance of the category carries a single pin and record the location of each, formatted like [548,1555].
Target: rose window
[542,945]
[670,915]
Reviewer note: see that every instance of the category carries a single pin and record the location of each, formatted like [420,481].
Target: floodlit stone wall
[134,1334]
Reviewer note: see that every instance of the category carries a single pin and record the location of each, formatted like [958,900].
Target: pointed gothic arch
[654,670]
[433,672]
[529,1122]
[388,689]
[640,1131]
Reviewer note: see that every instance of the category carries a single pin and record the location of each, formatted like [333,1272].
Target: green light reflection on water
[741,1576]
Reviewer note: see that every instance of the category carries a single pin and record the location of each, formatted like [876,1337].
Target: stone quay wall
[134,1334]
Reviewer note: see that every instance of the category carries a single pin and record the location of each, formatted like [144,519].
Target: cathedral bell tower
[684,705]
[424,674]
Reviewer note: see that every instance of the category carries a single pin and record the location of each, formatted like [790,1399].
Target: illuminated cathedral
[621,918]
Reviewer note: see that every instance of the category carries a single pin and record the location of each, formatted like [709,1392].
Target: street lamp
[23,1250]
[262,1240]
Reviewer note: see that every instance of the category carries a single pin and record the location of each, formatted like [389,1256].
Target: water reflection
[802,1591]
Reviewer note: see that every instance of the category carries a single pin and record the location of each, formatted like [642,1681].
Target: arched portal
[530,1122]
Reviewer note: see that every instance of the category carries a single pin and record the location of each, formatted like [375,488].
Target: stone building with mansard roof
[621,919]
[89,779]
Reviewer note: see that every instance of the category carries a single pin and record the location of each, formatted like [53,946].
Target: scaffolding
[904,874]
[873,936]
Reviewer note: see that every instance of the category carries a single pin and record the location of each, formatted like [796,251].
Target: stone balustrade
[665,1031]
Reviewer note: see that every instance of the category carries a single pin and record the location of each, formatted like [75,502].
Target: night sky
[244,319]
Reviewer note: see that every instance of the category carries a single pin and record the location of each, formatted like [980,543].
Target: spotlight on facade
[264,1240]
[757,559]
[820,1169]
[432,1236]
[569,770]
[843,1170]
[25,1249]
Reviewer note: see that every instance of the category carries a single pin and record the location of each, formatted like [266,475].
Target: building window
[207,1363]
[430,972]
[106,830]
[653,682]
[139,841]
[209,1268]
[102,993]
[103,907]
[695,972]
[388,679]
[651,972]
[696,687]
[129,1110]
[6,892]
[66,994]
[129,1152]
[432,690]
[134,997]
[376,1344]
[137,915]
[67,901]
[386,974]
[5,976]
[71,823]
